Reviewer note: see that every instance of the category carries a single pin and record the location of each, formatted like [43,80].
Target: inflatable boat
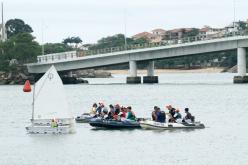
[114,124]
[149,124]
[84,118]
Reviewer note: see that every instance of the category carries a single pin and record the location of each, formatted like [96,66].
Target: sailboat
[49,106]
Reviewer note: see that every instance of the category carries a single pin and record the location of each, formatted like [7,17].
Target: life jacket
[177,115]
[123,114]
[99,110]
[172,112]
[161,117]
[54,124]
[130,115]
[188,116]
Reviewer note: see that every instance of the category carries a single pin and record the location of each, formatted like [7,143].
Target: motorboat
[114,124]
[84,118]
[149,124]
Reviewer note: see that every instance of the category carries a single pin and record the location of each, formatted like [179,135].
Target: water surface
[212,98]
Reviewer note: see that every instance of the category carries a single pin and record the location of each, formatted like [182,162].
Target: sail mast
[3,29]
[33,105]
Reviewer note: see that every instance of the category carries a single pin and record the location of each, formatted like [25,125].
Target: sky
[94,19]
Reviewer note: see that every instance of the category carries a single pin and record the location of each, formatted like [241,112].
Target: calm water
[212,98]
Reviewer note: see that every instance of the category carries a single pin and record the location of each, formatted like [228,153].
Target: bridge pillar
[150,78]
[133,78]
[241,67]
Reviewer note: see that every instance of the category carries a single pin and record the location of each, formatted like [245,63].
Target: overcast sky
[93,19]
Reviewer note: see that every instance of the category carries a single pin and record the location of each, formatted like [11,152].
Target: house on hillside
[237,26]
[208,32]
[146,35]
[158,32]
[155,36]
[175,34]
[158,35]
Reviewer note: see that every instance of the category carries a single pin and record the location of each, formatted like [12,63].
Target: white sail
[50,99]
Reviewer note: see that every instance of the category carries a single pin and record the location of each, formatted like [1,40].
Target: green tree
[56,48]
[72,40]
[243,25]
[16,26]
[21,47]
[117,40]
[192,33]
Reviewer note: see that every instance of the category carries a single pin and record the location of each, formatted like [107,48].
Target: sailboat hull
[47,122]
[50,130]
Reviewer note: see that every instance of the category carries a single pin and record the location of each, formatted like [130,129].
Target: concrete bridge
[72,61]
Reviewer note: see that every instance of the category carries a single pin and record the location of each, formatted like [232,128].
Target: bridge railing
[163,43]
[73,54]
[57,57]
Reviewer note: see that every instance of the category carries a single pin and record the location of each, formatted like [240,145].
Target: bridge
[69,61]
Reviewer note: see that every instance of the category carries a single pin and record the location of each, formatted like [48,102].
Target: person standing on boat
[130,113]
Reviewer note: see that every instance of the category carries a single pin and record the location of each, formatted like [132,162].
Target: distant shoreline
[157,71]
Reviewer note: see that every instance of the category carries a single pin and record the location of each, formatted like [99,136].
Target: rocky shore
[19,74]
[91,73]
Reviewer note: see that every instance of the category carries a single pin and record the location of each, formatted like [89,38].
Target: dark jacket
[161,117]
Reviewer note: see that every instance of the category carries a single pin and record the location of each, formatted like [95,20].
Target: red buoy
[27,86]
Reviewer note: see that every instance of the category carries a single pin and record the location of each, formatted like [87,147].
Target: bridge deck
[153,53]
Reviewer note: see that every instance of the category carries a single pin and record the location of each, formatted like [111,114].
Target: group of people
[117,112]
[114,112]
[174,115]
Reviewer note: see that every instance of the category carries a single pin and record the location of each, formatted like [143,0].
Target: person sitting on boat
[154,113]
[123,112]
[130,114]
[115,112]
[188,117]
[117,109]
[161,117]
[54,123]
[99,109]
[178,116]
[111,112]
[93,109]
[172,112]
[104,113]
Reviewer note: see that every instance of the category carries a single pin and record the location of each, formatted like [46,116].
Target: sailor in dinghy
[49,103]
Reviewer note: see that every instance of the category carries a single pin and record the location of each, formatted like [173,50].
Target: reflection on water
[212,98]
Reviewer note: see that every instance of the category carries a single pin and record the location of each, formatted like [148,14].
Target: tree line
[21,45]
